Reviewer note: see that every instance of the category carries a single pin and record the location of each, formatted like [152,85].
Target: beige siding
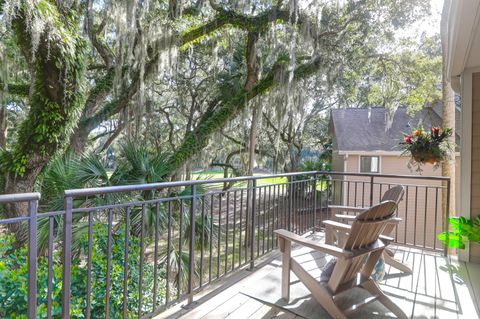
[475,190]
[421,208]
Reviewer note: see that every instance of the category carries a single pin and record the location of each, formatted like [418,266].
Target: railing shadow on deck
[135,250]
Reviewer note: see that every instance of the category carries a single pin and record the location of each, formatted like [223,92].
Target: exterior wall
[422,205]
[475,160]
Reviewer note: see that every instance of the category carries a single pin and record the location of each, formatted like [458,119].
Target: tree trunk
[3,127]
[251,61]
[448,99]
[54,104]
[252,143]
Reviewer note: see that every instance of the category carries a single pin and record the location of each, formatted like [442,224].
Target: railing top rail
[153,186]
[25,197]
[399,176]
[162,185]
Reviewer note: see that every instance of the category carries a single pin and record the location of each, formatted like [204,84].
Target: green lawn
[217,173]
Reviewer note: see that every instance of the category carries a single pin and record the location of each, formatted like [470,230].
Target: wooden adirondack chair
[355,261]
[336,232]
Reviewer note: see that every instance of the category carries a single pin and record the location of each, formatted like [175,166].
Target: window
[369,164]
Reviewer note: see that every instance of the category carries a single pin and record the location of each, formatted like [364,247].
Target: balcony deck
[440,287]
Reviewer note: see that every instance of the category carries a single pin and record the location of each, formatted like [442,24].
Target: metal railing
[134,250]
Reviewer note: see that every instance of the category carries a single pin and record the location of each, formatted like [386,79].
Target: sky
[431,25]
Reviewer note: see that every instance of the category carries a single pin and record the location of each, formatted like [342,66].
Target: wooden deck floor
[440,287]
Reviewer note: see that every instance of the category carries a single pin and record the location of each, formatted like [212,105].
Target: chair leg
[372,288]
[286,259]
[389,260]
[329,235]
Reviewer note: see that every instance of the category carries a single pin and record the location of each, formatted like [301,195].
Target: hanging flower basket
[425,157]
[426,147]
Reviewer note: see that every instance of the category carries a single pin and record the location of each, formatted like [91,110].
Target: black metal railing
[134,250]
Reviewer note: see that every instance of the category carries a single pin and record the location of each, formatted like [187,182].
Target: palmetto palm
[136,164]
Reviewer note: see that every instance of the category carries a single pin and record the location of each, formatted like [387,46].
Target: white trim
[466,148]
[462,24]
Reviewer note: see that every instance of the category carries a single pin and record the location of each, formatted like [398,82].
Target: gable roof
[363,129]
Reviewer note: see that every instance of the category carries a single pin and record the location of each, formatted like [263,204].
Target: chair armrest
[329,249]
[387,240]
[337,225]
[353,209]
[395,220]
[349,218]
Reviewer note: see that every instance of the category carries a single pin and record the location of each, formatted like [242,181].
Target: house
[364,142]
[463,68]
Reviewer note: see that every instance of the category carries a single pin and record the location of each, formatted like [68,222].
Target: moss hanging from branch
[198,139]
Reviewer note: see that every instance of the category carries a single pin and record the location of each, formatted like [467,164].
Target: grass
[218,173]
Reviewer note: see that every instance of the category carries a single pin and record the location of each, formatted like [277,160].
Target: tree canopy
[181,77]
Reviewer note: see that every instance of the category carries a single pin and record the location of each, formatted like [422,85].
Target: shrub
[14,274]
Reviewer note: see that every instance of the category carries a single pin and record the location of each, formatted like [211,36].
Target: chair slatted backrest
[365,231]
[395,194]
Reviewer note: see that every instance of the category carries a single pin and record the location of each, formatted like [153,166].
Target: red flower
[435,131]
[408,139]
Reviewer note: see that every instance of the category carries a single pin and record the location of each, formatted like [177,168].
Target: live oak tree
[77,65]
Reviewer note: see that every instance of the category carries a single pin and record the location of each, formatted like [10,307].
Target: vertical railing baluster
[406,215]
[416,217]
[50,268]
[169,251]
[202,252]
[109,264]
[240,243]
[314,203]
[269,217]
[257,217]
[142,257]
[447,215]
[372,180]
[290,203]
[180,252]
[252,222]
[155,257]
[226,233]
[89,265]
[219,247]
[436,219]
[425,218]
[67,257]
[264,216]
[191,247]
[125,262]
[211,240]
[234,227]
[32,258]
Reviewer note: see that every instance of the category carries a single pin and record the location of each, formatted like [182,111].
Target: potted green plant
[426,147]
[463,230]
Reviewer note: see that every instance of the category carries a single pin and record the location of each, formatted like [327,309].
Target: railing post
[315,202]
[191,250]
[371,190]
[447,216]
[252,222]
[290,203]
[32,258]
[67,257]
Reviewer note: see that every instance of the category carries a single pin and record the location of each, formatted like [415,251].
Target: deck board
[439,287]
